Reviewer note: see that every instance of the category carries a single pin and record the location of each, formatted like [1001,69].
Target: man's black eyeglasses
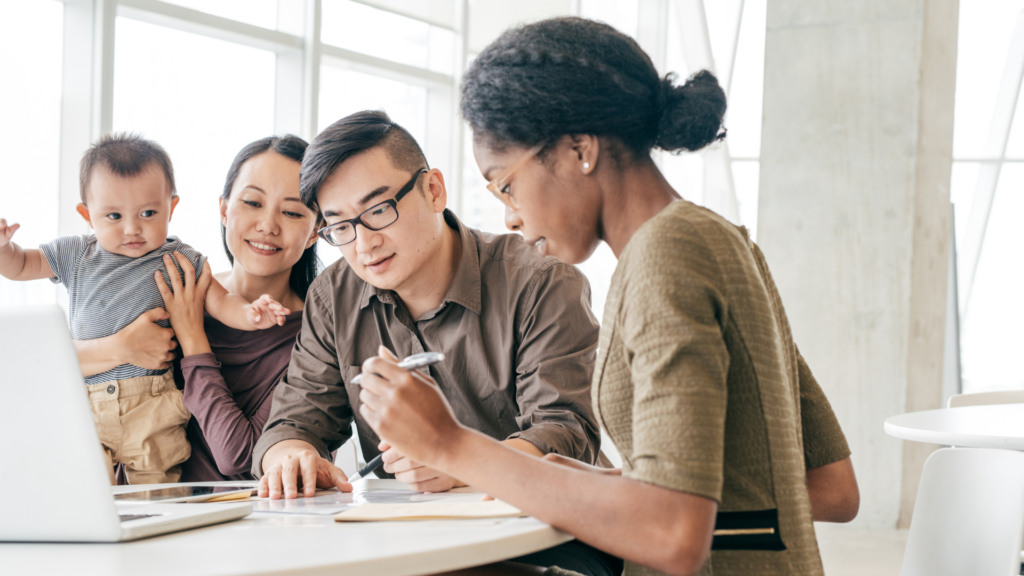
[376,218]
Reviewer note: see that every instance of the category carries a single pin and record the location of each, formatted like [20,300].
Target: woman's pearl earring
[586,165]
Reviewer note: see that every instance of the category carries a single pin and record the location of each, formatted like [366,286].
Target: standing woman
[230,375]
[698,382]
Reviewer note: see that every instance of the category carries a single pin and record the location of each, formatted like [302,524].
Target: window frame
[88,77]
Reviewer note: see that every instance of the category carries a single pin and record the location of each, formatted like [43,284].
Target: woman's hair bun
[544,80]
[692,113]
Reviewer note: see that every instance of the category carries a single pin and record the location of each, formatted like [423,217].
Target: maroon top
[229,394]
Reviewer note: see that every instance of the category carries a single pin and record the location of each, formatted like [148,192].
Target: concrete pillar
[854,214]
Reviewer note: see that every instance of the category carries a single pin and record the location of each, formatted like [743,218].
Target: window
[986,190]
[361,28]
[202,99]
[991,339]
[30,148]
[262,13]
[205,77]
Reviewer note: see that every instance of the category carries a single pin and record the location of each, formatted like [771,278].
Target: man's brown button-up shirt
[516,329]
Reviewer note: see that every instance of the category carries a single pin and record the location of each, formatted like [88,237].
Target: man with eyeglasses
[516,328]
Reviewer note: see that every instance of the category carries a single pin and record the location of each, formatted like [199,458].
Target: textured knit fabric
[108,291]
[516,330]
[701,388]
[229,393]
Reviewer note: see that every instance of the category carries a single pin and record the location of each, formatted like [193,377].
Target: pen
[410,363]
[373,465]
[413,362]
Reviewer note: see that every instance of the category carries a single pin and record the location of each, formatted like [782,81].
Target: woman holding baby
[228,375]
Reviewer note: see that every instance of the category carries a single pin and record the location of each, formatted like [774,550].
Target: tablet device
[193,493]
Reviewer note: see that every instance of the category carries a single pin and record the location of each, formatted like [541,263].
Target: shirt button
[111,389]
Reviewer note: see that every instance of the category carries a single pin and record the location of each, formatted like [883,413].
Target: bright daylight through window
[31,123]
[987,190]
[203,78]
[202,99]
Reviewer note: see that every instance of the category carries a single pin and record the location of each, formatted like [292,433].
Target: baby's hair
[126,155]
[541,81]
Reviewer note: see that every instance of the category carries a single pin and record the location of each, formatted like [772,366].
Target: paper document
[324,503]
[369,484]
[410,497]
[436,510]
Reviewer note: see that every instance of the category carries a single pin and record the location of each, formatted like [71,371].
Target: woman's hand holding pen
[421,478]
[407,410]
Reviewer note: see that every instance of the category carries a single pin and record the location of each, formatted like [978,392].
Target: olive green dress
[701,388]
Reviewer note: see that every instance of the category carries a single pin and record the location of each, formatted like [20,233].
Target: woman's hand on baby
[7,232]
[146,344]
[185,301]
[266,312]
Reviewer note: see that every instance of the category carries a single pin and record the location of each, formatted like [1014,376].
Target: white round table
[993,426]
[302,545]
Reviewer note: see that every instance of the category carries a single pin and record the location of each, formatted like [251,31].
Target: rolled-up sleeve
[824,441]
[310,403]
[557,349]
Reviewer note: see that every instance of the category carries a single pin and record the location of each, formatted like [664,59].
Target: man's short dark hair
[126,155]
[352,135]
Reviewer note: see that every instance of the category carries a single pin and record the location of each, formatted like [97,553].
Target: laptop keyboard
[128,517]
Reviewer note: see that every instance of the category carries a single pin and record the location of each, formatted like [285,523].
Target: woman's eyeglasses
[376,218]
[497,186]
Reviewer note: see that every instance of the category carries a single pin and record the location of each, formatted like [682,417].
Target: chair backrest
[986,398]
[347,457]
[969,514]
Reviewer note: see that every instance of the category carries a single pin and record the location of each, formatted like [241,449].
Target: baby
[128,196]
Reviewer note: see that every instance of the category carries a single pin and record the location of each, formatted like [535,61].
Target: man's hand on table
[292,463]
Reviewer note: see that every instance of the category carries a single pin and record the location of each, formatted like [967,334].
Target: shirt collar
[465,288]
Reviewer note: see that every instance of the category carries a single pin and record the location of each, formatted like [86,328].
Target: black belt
[756,530]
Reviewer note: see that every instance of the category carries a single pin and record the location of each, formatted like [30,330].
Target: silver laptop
[54,486]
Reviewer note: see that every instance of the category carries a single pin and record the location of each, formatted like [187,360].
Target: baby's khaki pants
[141,424]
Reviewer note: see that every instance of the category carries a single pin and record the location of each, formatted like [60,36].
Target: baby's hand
[265,312]
[7,232]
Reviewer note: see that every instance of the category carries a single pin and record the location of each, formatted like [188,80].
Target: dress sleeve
[230,435]
[63,255]
[671,321]
[824,441]
[310,403]
[554,365]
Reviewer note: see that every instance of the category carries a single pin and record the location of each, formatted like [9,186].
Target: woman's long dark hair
[306,269]
[541,81]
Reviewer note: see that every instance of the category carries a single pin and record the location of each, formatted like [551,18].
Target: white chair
[986,398]
[969,515]
[348,457]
